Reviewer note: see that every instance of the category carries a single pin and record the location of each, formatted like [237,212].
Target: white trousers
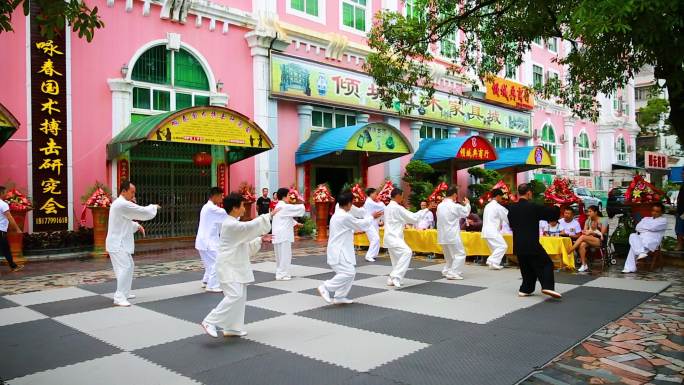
[401,259]
[283,255]
[636,247]
[342,282]
[454,258]
[123,265]
[209,262]
[373,242]
[229,314]
[498,247]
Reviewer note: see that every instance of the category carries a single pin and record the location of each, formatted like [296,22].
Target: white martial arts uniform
[340,251]
[449,214]
[494,221]
[396,218]
[373,232]
[120,244]
[207,240]
[239,241]
[649,233]
[283,235]
[427,221]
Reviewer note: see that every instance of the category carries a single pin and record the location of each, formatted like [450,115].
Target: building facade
[256,84]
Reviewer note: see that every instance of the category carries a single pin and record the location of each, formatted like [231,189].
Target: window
[584,154]
[537,76]
[322,119]
[354,14]
[165,80]
[448,46]
[511,71]
[412,10]
[432,132]
[641,93]
[310,7]
[621,150]
[537,40]
[499,141]
[552,44]
[548,141]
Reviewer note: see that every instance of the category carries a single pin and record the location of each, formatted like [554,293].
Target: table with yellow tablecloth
[425,241]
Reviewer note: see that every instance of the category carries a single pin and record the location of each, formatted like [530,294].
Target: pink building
[265,88]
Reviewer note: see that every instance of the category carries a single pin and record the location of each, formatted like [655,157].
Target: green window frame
[322,119]
[310,7]
[153,66]
[354,14]
[537,76]
[621,150]
[511,71]
[188,72]
[537,40]
[448,46]
[499,141]
[548,141]
[552,44]
[584,154]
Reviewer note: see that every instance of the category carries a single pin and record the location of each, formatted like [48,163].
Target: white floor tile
[629,284]
[53,295]
[380,282]
[294,285]
[289,303]
[18,314]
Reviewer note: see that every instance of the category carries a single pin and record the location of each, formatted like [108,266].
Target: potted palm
[98,199]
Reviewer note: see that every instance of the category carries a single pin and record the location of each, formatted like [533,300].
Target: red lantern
[202,159]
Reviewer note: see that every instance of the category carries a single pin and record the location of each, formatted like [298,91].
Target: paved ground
[431,332]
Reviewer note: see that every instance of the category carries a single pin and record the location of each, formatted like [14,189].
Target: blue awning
[466,151]
[520,159]
[380,141]
[675,174]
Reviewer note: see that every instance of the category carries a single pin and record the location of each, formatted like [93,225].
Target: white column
[304,113]
[605,138]
[569,127]
[362,118]
[415,133]
[453,131]
[122,103]
[393,167]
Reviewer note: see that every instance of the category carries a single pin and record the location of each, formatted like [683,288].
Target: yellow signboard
[377,138]
[213,126]
[504,91]
[540,157]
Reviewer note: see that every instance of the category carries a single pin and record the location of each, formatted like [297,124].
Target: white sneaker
[234,333]
[122,303]
[583,268]
[342,301]
[284,278]
[204,284]
[494,266]
[445,273]
[216,290]
[521,294]
[642,256]
[209,329]
[369,259]
[454,276]
[324,294]
[389,281]
[396,282]
[625,271]
[131,296]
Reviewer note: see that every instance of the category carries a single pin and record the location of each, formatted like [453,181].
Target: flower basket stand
[322,221]
[248,212]
[16,240]
[100,224]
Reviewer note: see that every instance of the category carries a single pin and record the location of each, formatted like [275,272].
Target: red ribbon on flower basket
[560,192]
[503,187]
[438,194]
[322,194]
[17,200]
[99,198]
[358,195]
[385,191]
[247,192]
[641,191]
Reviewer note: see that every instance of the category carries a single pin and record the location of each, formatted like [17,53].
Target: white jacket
[283,221]
[121,225]
[449,214]
[341,236]
[371,207]
[651,231]
[494,220]
[211,218]
[239,241]
[396,217]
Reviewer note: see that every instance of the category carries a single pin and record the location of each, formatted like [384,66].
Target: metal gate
[164,173]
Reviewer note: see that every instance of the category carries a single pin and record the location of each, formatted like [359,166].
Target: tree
[650,114]
[610,40]
[53,16]
[420,177]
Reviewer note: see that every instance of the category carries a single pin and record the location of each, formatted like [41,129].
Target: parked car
[616,201]
[586,197]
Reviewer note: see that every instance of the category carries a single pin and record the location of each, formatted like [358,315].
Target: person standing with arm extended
[449,215]
[396,218]
[375,208]
[206,242]
[120,243]
[283,233]
[494,217]
[6,220]
[535,264]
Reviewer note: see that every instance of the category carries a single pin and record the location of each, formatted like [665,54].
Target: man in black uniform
[263,202]
[535,264]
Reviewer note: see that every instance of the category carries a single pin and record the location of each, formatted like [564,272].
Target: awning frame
[514,159]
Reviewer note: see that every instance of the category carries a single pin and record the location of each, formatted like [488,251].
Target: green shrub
[307,228]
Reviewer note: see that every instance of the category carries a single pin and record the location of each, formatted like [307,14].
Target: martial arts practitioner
[428,220]
[238,243]
[493,219]
[449,214]
[120,244]
[649,233]
[396,218]
[373,206]
[283,233]
[534,262]
[340,251]
[206,242]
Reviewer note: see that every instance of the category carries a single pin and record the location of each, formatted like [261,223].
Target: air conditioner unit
[535,134]
[563,139]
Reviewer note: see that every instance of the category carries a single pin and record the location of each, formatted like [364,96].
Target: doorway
[335,177]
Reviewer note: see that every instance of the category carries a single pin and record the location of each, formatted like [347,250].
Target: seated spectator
[427,221]
[472,222]
[595,230]
[569,226]
[552,228]
[649,233]
[543,227]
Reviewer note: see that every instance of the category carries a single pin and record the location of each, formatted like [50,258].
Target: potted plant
[248,193]
[640,195]
[323,199]
[19,205]
[98,199]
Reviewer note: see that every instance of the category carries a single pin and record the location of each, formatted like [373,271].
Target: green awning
[8,125]
[210,125]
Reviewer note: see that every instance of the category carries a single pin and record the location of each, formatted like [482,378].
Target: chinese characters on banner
[655,160]
[49,133]
[508,92]
[476,148]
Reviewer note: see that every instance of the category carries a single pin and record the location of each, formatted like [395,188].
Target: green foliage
[54,16]
[486,180]
[420,177]
[307,228]
[618,37]
[650,114]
